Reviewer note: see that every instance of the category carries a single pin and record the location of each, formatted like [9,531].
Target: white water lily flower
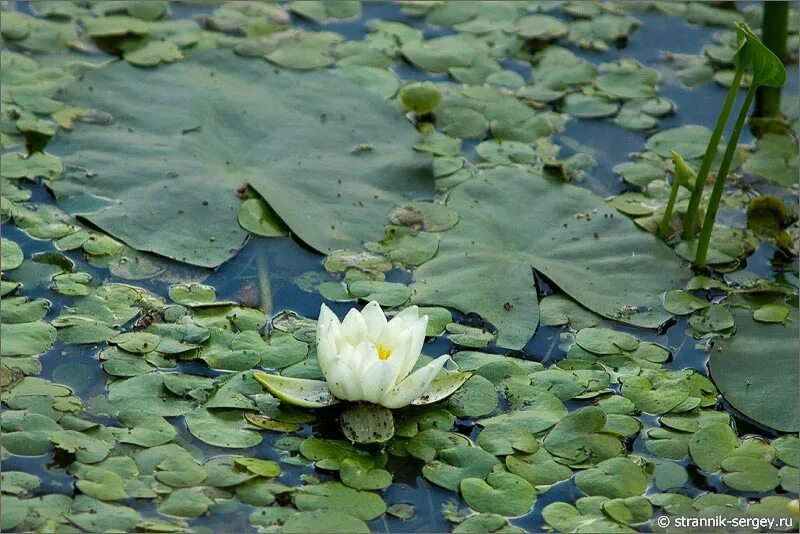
[367,358]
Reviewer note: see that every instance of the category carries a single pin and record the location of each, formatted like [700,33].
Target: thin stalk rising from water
[711,151]
[719,183]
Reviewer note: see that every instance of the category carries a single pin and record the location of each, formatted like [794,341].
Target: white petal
[326,346]
[326,317]
[343,384]
[374,319]
[417,331]
[406,317]
[354,329]
[379,377]
[414,385]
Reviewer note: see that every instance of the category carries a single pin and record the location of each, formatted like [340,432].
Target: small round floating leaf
[11,255]
[136,342]
[501,493]
[711,444]
[367,423]
[186,502]
[744,473]
[355,475]
[87,450]
[154,53]
[102,484]
[26,339]
[771,313]
[335,497]
[613,478]
[788,450]
[145,429]
[221,428]
[192,294]
[457,463]
[180,471]
[585,106]
[577,437]
[656,394]
[477,397]
[714,318]
[605,341]
[680,302]
[630,510]
[324,522]
[257,466]
[297,391]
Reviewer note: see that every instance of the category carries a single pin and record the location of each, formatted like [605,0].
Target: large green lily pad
[168,178]
[511,221]
[756,370]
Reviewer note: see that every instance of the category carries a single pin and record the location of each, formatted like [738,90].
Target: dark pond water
[284,260]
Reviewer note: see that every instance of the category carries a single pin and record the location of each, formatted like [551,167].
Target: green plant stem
[663,226]
[711,151]
[773,33]
[719,183]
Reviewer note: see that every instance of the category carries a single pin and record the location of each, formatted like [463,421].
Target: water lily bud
[421,97]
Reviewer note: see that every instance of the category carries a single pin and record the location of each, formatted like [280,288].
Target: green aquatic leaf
[680,302]
[768,69]
[711,444]
[37,165]
[500,493]
[578,438]
[198,130]
[749,474]
[146,393]
[754,371]
[356,476]
[613,478]
[475,398]
[325,522]
[145,429]
[257,217]
[221,428]
[186,502]
[500,260]
[366,423]
[335,497]
[154,53]
[12,254]
[776,158]
[87,450]
[102,484]
[26,339]
[457,463]
[297,391]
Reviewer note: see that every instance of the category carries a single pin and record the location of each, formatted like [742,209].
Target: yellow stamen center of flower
[384,353]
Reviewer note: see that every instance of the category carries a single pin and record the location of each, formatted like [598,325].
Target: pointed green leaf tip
[768,69]
[685,175]
[297,391]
